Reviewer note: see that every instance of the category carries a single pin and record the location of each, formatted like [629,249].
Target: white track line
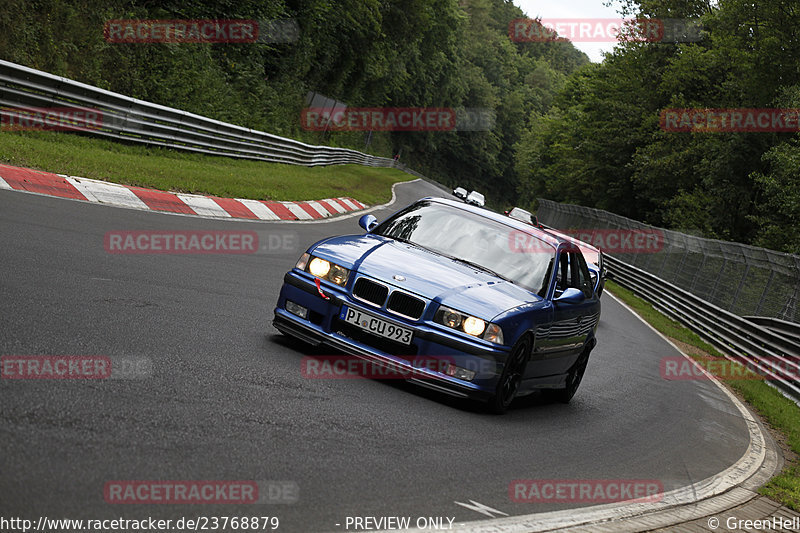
[106,193]
[316,206]
[4,184]
[685,501]
[334,204]
[260,210]
[297,211]
[204,206]
[349,204]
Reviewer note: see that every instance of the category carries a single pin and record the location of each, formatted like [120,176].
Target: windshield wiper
[412,243]
[479,267]
[457,259]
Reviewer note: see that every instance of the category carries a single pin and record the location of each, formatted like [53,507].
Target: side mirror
[368,222]
[570,296]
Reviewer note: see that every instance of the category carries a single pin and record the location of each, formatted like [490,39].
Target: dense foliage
[601,143]
[565,129]
[365,53]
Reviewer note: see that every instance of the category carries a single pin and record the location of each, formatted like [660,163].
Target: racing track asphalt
[226,399]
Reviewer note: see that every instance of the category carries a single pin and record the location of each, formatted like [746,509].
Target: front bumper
[322,326]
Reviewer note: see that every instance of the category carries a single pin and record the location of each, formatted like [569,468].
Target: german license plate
[376,326]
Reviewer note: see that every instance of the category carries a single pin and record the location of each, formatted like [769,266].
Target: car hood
[426,273]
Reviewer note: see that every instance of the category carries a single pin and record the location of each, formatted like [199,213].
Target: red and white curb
[36,181]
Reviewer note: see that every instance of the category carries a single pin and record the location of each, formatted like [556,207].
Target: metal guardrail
[781,327]
[774,354]
[742,279]
[133,120]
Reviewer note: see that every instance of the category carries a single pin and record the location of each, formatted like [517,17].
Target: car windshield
[590,255]
[484,243]
[520,214]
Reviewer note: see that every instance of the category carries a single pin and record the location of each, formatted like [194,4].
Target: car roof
[549,238]
[577,242]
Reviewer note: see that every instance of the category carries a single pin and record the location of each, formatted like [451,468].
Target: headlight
[474,326]
[319,267]
[324,269]
[469,324]
[451,318]
[338,274]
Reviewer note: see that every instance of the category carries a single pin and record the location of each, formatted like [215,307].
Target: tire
[511,378]
[574,377]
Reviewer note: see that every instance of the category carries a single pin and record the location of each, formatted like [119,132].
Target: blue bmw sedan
[504,307]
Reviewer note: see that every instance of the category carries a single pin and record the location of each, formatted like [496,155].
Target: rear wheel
[511,378]
[574,377]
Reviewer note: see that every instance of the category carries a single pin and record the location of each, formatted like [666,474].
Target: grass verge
[172,170]
[776,410]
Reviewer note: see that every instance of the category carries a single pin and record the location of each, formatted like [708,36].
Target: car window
[581,274]
[573,273]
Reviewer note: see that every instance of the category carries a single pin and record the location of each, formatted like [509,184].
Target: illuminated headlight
[319,267]
[474,326]
[324,269]
[469,324]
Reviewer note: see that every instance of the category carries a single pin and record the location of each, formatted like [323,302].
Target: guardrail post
[764,293]
[697,273]
[791,306]
[680,266]
[716,281]
[739,288]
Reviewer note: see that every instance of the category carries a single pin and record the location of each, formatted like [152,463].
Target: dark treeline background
[566,129]
[600,144]
[365,53]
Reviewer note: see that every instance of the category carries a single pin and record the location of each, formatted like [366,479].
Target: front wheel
[511,378]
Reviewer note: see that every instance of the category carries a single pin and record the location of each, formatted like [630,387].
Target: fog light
[296,309]
[460,373]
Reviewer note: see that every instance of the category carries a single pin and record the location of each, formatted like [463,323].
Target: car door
[573,321]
